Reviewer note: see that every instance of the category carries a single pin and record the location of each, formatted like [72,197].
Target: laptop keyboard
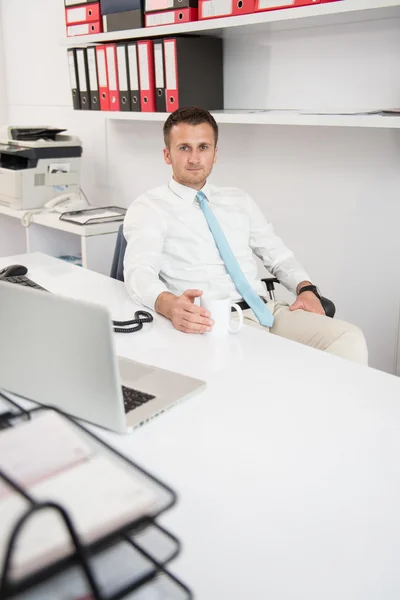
[5,419]
[23,280]
[134,398]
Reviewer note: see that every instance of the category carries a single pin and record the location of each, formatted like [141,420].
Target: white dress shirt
[170,247]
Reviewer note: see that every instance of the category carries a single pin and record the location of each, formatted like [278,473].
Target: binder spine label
[216,8]
[112,75]
[170,67]
[81,70]
[143,68]
[122,73]
[76,15]
[72,74]
[133,72]
[101,66]
[158,66]
[159,4]
[91,56]
[79,29]
[273,3]
[164,18]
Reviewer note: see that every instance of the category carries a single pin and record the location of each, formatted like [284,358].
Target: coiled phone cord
[141,316]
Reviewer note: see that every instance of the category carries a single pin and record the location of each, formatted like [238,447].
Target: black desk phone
[17,274]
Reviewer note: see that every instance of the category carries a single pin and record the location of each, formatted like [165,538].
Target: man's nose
[194,157]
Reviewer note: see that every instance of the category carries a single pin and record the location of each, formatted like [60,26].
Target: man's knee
[323,333]
[350,343]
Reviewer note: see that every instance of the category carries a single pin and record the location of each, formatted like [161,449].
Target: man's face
[191,153]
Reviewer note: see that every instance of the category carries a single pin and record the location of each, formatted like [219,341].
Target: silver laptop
[60,352]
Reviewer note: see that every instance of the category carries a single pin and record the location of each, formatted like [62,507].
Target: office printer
[36,165]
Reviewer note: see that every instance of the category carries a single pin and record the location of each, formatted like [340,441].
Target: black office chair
[117,272]
[117,267]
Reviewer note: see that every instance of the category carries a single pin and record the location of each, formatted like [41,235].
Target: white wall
[3,95]
[333,194]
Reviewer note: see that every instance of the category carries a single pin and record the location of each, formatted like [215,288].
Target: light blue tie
[244,288]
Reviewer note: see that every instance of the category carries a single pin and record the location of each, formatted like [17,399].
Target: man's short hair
[192,115]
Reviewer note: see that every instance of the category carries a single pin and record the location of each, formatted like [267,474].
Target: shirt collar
[187,193]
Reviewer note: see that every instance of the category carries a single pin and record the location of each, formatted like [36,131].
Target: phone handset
[67,203]
[61,204]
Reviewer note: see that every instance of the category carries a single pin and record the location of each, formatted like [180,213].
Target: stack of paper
[52,461]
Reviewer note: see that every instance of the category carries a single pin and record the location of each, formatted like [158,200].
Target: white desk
[286,466]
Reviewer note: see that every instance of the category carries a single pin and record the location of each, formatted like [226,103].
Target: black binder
[133,71]
[119,15]
[93,79]
[159,73]
[130,19]
[118,6]
[187,85]
[83,78]
[73,77]
[123,78]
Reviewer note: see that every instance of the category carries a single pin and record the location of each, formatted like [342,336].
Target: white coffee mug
[220,308]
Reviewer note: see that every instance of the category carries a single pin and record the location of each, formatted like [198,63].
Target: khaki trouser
[318,331]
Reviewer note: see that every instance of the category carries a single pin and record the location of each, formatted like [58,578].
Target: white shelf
[335,13]
[278,117]
[48,219]
[47,234]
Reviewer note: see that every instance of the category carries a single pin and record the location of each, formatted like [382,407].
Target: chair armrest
[269,284]
[328,307]
[327,304]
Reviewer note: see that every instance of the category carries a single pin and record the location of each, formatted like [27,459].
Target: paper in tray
[163,497]
[119,569]
[92,216]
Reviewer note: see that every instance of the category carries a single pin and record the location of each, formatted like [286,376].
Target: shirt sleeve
[276,257]
[144,231]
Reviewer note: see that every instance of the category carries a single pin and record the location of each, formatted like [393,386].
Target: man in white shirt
[172,258]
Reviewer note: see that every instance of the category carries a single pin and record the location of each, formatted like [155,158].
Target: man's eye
[183,148]
[204,147]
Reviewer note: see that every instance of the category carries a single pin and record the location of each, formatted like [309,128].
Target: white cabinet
[48,234]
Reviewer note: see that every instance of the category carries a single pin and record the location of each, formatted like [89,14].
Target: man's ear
[167,156]
[215,155]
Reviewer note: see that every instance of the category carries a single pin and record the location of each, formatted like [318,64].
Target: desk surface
[52,219]
[285,466]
